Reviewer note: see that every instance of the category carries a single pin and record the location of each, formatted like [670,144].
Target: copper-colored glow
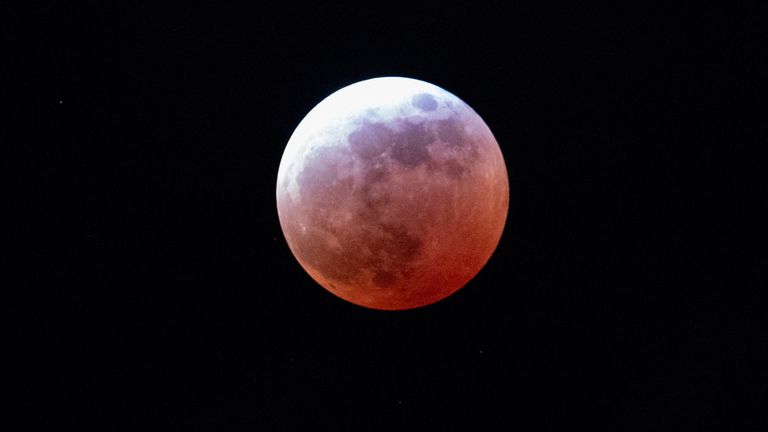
[392,193]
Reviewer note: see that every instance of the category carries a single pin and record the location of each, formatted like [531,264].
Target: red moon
[392,193]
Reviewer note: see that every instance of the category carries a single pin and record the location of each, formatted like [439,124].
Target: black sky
[156,289]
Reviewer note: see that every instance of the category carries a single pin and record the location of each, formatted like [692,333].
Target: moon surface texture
[392,193]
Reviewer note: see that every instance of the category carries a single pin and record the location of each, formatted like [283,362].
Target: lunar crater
[453,169]
[424,102]
[370,140]
[403,141]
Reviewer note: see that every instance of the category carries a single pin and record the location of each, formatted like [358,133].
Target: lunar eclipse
[392,193]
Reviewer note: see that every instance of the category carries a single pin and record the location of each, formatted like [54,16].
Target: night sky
[155,288]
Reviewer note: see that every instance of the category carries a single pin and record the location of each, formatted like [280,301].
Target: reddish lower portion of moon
[397,213]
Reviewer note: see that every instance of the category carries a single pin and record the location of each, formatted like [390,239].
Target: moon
[392,193]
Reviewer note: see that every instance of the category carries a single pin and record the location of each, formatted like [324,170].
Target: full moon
[392,193]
